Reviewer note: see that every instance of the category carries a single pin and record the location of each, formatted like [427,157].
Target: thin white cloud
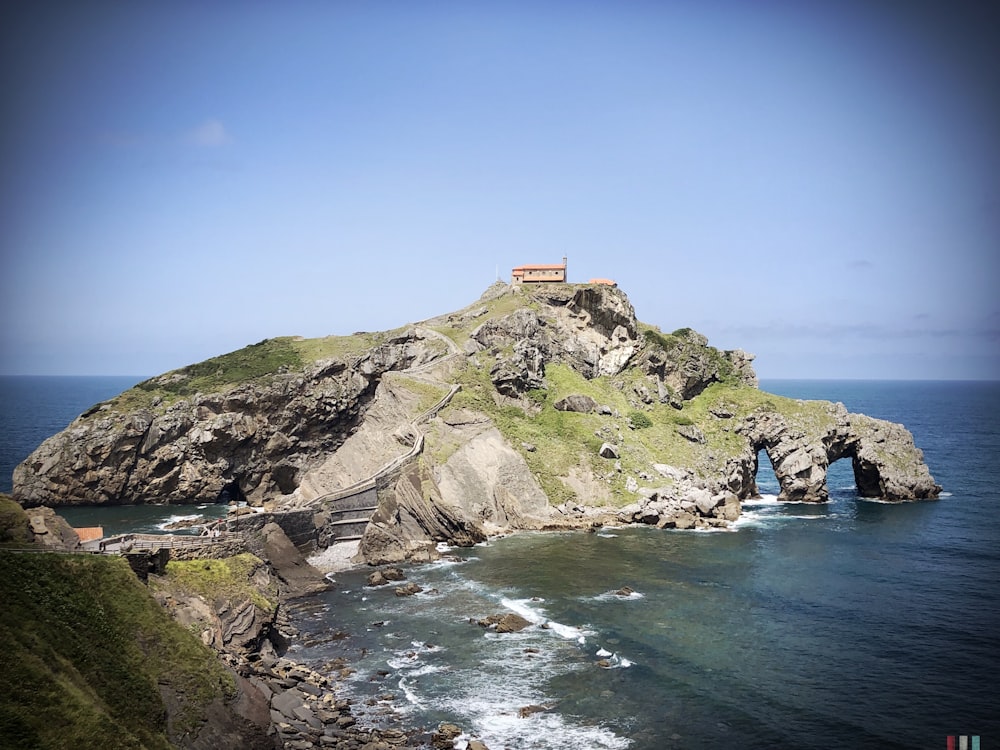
[210,134]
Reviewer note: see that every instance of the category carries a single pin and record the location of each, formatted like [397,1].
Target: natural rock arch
[886,463]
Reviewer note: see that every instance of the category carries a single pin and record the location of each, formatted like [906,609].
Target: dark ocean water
[851,624]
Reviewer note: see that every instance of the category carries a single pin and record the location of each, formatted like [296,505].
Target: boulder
[670,472]
[608,451]
[692,433]
[684,520]
[394,574]
[703,500]
[576,403]
[505,623]
[408,590]
[445,736]
[50,529]
[295,575]
[525,711]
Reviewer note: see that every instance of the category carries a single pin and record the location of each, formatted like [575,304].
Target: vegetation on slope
[644,433]
[14,529]
[88,651]
[258,361]
[229,578]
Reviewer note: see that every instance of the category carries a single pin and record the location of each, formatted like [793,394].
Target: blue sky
[814,182]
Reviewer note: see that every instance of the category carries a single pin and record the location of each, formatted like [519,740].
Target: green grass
[459,328]
[14,529]
[564,440]
[428,394]
[229,579]
[256,362]
[87,650]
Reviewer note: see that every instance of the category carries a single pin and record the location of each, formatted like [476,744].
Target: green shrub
[656,338]
[538,395]
[639,421]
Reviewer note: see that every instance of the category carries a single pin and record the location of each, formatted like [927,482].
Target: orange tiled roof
[608,282]
[89,533]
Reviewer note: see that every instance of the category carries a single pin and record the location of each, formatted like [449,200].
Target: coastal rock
[509,622]
[445,736]
[887,465]
[50,529]
[295,575]
[685,364]
[238,618]
[408,590]
[525,711]
[262,434]
[576,403]
[377,579]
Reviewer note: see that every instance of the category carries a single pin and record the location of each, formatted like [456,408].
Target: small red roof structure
[89,533]
[605,282]
[534,273]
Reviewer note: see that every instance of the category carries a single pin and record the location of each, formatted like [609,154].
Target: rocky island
[546,405]
[539,406]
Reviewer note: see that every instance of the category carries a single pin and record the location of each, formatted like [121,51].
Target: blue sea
[853,624]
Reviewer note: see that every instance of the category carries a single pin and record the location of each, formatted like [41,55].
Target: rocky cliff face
[261,435]
[528,409]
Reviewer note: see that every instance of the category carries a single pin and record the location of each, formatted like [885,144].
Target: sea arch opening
[765,478]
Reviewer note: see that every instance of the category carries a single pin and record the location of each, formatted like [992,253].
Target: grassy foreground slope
[89,655]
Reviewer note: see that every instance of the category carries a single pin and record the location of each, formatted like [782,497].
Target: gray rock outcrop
[886,463]
[263,435]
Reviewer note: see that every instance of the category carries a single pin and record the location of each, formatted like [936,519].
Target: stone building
[539,273]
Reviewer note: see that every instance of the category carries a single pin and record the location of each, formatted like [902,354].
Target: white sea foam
[603,652]
[760,500]
[523,608]
[569,632]
[411,696]
[545,730]
[945,494]
[426,669]
[614,596]
[177,519]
